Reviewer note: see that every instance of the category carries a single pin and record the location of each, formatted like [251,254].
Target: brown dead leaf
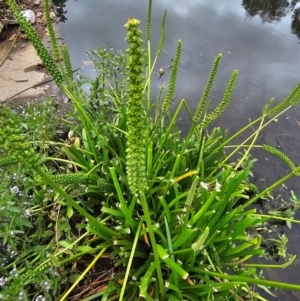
[23,36]
[12,37]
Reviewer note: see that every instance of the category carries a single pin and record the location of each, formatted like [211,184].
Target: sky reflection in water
[260,38]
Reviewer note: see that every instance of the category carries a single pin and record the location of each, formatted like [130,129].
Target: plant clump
[171,216]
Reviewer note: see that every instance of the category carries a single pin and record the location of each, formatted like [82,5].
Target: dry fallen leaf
[12,37]
[23,36]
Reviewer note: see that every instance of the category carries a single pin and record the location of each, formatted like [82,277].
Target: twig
[10,48]
[19,80]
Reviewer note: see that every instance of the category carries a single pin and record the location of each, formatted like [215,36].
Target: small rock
[29,15]
[36,2]
[52,15]
[39,14]
[65,98]
[23,46]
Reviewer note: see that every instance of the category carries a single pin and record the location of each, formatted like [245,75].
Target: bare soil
[6,17]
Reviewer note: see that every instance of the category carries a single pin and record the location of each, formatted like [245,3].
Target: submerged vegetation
[124,207]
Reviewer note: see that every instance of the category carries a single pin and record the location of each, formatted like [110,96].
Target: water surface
[260,38]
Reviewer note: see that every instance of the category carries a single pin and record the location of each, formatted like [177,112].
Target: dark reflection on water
[259,38]
[60,9]
[273,11]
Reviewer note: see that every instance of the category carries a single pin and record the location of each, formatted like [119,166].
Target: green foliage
[13,144]
[65,179]
[173,212]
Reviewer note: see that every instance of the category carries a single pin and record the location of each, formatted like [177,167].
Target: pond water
[260,38]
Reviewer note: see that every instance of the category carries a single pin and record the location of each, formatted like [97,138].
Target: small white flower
[14,189]
[204,185]
[218,186]
[3,280]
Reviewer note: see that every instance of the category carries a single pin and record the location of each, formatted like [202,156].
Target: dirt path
[20,66]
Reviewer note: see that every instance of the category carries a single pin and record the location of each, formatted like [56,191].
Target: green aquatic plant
[67,62]
[136,121]
[209,118]
[172,82]
[207,90]
[162,35]
[291,100]
[280,155]
[172,212]
[149,25]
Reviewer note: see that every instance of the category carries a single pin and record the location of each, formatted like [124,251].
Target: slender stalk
[130,261]
[287,286]
[106,232]
[251,145]
[149,80]
[82,275]
[66,161]
[153,243]
[238,133]
[277,217]
[268,189]
[246,140]
[262,266]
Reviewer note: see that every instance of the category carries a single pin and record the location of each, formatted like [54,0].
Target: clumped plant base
[159,216]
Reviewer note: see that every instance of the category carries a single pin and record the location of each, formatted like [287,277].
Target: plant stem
[268,189]
[277,217]
[248,280]
[251,145]
[259,266]
[153,243]
[130,261]
[82,275]
[248,126]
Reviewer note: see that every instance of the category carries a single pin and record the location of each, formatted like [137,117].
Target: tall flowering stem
[283,157]
[67,60]
[136,119]
[148,31]
[223,104]
[137,134]
[209,85]
[292,99]
[51,31]
[172,82]
[36,42]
